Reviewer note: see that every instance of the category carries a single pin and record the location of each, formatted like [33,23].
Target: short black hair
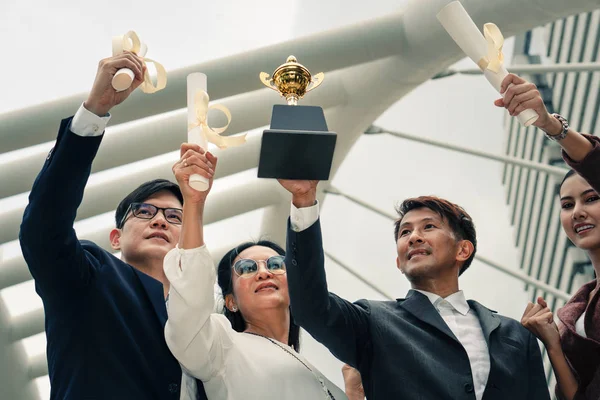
[142,193]
[459,221]
[226,284]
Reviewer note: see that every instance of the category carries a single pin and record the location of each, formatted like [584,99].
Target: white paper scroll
[124,77]
[485,51]
[196,83]
[199,132]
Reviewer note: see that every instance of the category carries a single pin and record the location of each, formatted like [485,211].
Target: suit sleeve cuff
[303,218]
[86,123]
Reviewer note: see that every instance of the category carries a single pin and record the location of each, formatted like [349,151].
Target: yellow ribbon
[131,42]
[201,108]
[495,40]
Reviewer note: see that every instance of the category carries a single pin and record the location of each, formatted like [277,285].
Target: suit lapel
[421,308]
[487,318]
[155,292]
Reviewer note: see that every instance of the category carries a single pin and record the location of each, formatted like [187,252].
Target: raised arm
[50,247]
[337,323]
[580,151]
[196,336]
[587,166]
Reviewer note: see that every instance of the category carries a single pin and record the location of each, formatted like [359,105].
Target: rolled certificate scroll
[124,77]
[198,130]
[197,103]
[485,51]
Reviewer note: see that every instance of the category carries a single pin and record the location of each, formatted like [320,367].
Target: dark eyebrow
[423,220]
[582,194]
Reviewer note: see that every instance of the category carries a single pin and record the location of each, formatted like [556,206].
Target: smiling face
[580,212]
[427,247]
[145,240]
[263,291]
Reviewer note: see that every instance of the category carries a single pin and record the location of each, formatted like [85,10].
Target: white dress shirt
[454,310]
[303,218]
[580,327]
[86,123]
[232,365]
[463,322]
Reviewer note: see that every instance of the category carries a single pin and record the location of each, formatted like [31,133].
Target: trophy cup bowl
[298,144]
[292,80]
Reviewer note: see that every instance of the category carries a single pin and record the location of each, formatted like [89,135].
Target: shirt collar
[457,300]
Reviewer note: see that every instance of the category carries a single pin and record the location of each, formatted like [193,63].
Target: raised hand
[304,193]
[521,95]
[539,320]
[194,160]
[103,96]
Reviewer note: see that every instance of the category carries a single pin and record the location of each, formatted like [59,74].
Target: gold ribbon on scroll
[495,40]
[131,42]
[213,135]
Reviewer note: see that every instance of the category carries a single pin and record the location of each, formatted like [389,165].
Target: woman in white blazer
[251,351]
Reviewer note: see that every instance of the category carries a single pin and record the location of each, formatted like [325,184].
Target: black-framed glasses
[247,268]
[173,216]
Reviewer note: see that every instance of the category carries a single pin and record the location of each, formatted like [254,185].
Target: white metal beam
[13,364]
[530,69]
[360,277]
[556,171]
[37,366]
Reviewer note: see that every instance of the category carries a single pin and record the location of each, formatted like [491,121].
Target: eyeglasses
[247,268]
[173,216]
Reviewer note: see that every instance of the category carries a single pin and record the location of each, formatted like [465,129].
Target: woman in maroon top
[572,342]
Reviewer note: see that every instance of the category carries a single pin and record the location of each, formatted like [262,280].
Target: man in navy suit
[104,316]
[433,344]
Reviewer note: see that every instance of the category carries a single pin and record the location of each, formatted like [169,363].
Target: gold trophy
[292,80]
[298,144]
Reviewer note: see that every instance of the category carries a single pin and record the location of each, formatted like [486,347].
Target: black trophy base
[298,145]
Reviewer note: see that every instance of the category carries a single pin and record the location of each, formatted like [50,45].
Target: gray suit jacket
[404,349]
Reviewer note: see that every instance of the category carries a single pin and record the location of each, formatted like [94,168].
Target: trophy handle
[315,81]
[268,82]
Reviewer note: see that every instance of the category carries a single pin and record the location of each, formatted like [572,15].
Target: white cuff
[86,123]
[303,218]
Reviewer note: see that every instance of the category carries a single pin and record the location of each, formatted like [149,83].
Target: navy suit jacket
[404,349]
[104,318]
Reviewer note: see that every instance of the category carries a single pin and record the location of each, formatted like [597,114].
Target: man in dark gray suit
[433,344]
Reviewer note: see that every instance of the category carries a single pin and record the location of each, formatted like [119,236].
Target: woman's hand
[194,160]
[539,320]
